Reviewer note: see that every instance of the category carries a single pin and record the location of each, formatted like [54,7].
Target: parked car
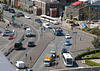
[30,44]
[11,10]
[67,42]
[10,37]
[67,36]
[27,16]
[28,69]
[21,14]
[64,50]
[6,33]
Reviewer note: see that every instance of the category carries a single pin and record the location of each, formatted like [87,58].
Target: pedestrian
[8,25]
[13,30]
[79,38]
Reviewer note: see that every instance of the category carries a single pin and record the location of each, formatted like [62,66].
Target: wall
[79,69]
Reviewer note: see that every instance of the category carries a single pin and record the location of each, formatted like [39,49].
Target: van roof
[20,61]
[48,55]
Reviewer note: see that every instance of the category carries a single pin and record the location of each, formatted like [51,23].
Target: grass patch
[94,56]
[91,63]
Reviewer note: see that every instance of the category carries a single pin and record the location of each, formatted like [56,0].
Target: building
[46,7]
[67,2]
[83,11]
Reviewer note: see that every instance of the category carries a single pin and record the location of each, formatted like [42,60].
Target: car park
[10,37]
[67,42]
[27,16]
[67,36]
[30,43]
[64,50]
[11,10]
[28,69]
[6,33]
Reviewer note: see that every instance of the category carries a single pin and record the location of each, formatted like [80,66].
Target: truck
[57,31]
[48,60]
[20,64]
[28,32]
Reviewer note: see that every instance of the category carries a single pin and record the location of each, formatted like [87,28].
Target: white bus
[67,59]
[48,19]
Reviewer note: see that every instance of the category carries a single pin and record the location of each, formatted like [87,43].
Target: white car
[46,25]
[67,36]
[17,70]
[28,16]
[29,69]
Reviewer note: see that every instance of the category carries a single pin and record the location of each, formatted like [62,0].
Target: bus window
[69,61]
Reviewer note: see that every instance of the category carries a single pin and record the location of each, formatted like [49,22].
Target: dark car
[30,44]
[64,50]
[17,15]
[18,45]
[11,10]
[5,8]
[21,14]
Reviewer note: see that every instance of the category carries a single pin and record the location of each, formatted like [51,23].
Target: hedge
[91,63]
[92,56]
[79,57]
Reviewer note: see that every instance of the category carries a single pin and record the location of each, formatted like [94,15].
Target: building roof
[96,3]
[5,65]
[77,3]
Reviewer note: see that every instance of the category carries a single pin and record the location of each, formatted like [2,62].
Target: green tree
[96,42]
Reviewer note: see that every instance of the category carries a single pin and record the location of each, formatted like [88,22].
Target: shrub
[78,57]
[91,63]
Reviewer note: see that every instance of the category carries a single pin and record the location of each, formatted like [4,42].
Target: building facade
[47,7]
[83,11]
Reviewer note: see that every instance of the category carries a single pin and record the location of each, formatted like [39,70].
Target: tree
[96,42]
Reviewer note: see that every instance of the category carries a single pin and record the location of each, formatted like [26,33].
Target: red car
[10,37]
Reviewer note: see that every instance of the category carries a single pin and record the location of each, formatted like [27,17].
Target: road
[58,43]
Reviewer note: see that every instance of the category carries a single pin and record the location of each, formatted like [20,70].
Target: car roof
[18,42]
[67,40]
[30,42]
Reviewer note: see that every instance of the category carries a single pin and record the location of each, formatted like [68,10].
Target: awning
[77,3]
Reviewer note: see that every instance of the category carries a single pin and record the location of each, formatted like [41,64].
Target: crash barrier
[12,48]
[79,69]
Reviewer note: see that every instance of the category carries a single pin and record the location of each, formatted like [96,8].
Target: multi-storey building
[83,11]
[46,7]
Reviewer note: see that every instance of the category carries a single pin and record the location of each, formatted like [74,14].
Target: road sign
[68,31]
[13,17]
[42,29]
[28,65]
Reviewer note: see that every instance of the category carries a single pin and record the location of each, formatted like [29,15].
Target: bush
[79,57]
[91,63]
[93,56]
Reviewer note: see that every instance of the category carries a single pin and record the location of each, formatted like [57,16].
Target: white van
[20,64]
[28,32]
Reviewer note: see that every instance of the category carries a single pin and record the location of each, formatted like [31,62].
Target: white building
[89,1]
